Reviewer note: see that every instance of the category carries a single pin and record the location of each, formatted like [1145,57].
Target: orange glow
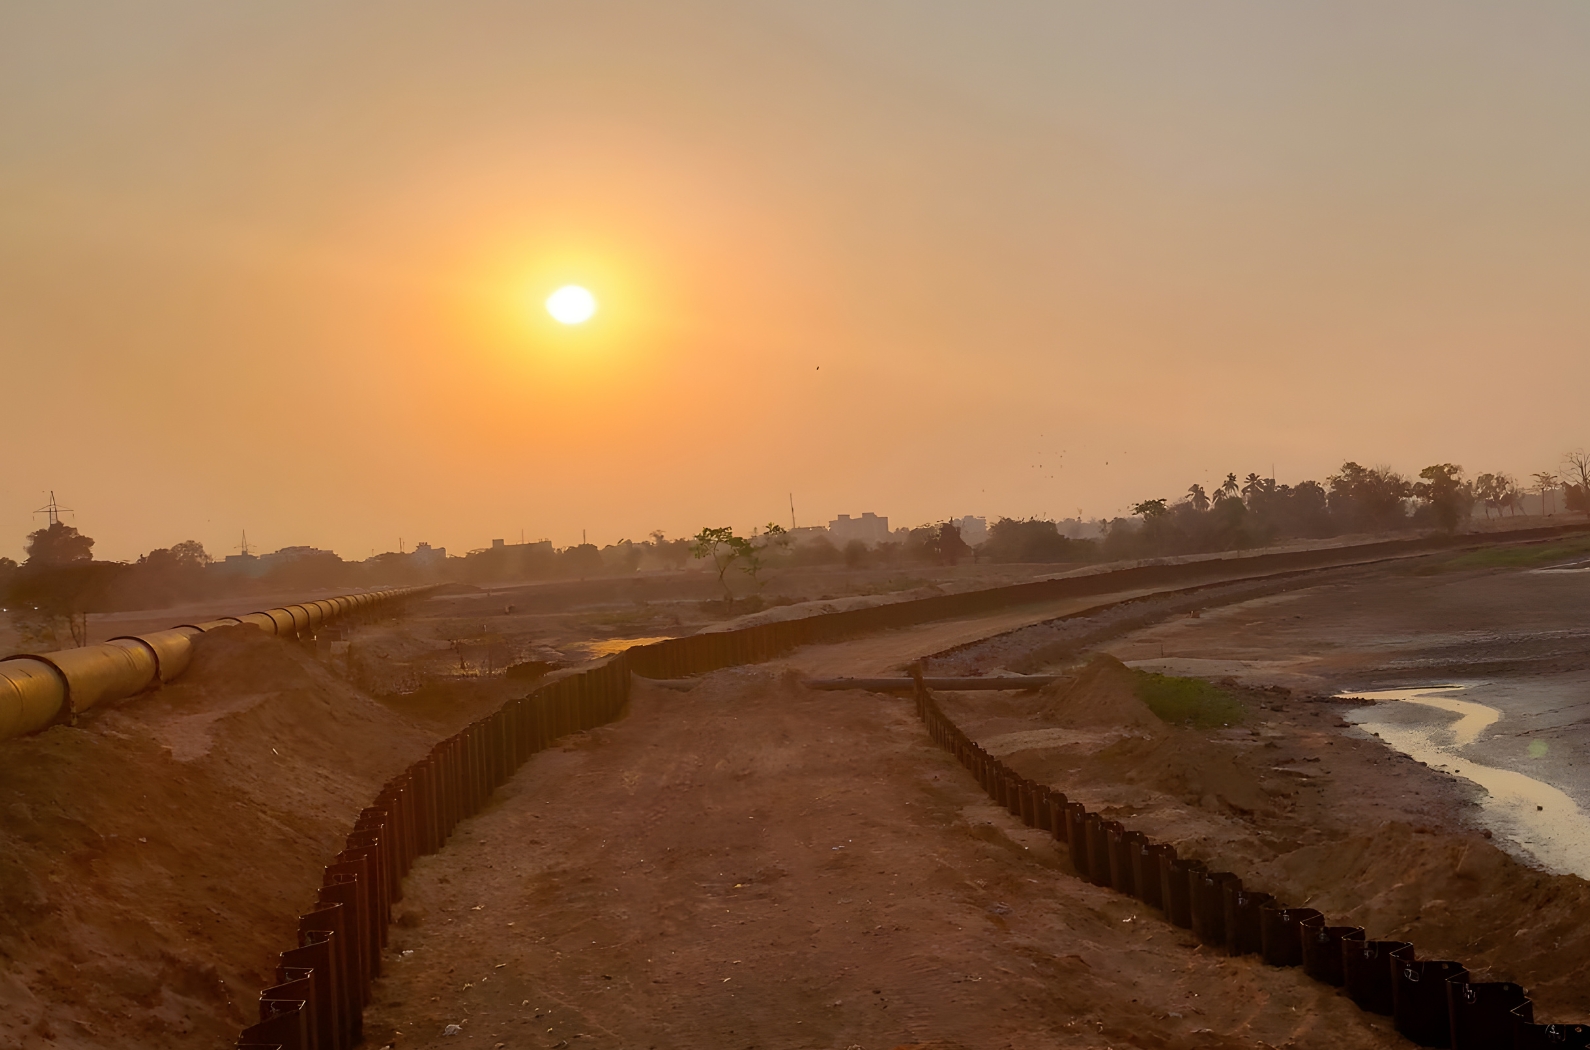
[1019,260]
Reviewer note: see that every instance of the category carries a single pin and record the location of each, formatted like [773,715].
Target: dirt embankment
[754,864]
[1302,806]
[154,858]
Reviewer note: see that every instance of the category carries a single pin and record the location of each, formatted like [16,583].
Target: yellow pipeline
[38,690]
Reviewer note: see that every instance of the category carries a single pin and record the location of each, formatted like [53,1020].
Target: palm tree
[1251,484]
[1197,497]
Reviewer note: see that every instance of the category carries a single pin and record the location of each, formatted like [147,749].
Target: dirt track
[752,864]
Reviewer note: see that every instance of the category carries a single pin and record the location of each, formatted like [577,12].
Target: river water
[1443,726]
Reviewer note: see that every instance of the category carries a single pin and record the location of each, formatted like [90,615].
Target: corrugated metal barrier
[323,982]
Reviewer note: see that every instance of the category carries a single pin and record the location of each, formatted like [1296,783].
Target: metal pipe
[210,625]
[95,673]
[303,622]
[38,690]
[172,649]
[32,696]
[892,685]
[264,621]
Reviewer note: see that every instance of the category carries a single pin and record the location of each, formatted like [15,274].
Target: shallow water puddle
[1532,817]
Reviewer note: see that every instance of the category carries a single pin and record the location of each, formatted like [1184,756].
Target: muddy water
[1533,819]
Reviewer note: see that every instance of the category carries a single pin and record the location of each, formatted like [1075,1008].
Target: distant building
[425,554]
[869,529]
[288,555]
[973,530]
[243,564]
[808,534]
[505,553]
[1077,529]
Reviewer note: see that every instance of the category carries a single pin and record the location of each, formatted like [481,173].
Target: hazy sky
[279,265]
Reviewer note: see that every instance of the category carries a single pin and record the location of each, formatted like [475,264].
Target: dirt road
[752,864]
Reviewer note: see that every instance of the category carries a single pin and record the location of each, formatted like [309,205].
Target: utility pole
[792,512]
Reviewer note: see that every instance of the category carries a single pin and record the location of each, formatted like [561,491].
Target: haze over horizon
[280,267]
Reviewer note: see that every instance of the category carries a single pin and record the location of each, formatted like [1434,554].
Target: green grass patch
[1520,557]
[1188,701]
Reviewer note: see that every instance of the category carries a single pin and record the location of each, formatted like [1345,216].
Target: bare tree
[1576,477]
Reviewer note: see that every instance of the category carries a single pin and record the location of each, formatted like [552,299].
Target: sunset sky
[280,266]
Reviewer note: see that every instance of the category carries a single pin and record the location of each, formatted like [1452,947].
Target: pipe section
[171,649]
[32,696]
[110,671]
[38,690]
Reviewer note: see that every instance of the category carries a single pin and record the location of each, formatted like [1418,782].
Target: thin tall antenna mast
[243,547]
[792,512]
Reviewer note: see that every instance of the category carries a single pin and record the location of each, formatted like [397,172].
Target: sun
[571,304]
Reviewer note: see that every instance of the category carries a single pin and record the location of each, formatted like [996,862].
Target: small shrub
[1188,701]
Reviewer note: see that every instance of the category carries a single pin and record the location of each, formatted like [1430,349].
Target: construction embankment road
[755,864]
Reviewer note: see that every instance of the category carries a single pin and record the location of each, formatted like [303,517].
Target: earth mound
[1103,694]
[154,857]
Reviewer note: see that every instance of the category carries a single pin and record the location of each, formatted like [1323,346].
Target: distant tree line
[50,594]
[1257,511]
[59,584]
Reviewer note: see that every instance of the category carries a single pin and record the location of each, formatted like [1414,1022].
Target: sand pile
[154,858]
[1455,895]
[1183,763]
[1103,693]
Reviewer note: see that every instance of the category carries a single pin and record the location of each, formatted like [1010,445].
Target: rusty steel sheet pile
[39,690]
[324,981]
